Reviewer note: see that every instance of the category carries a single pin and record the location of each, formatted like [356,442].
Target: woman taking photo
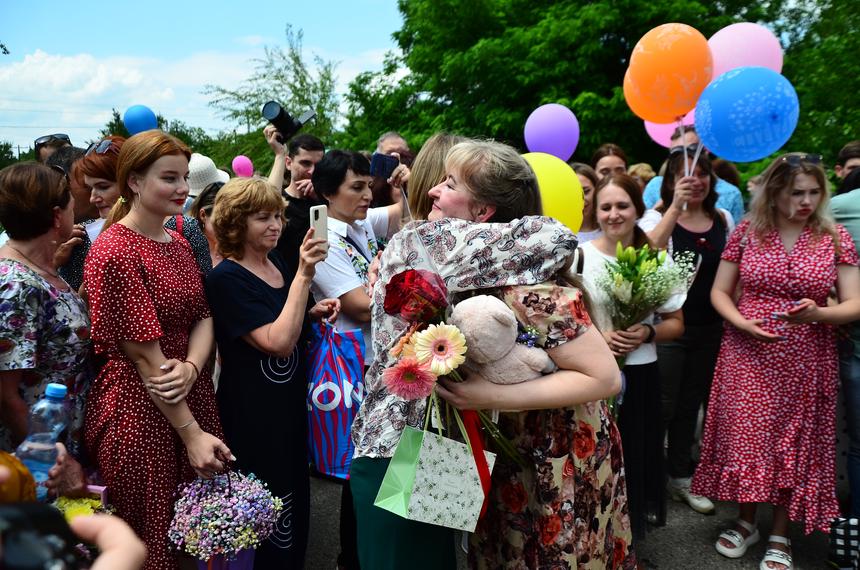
[489,182]
[687,363]
[771,423]
[151,418]
[618,203]
[44,329]
[258,304]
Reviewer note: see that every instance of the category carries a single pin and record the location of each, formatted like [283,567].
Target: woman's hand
[64,251]
[327,309]
[804,312]
[66,478]
[373,273]
[204,451]
[752,328]
[312,251]
[623,342]
[119,548]
[399,176]
[473,393]
[271,134]
[683,191]
[174,385]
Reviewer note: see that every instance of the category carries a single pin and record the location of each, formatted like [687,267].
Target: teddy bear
[490,328]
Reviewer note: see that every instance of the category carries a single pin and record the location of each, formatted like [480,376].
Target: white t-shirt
[351,248]
[593,266]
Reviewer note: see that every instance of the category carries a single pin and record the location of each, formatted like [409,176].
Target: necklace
[33,263]
[137,229]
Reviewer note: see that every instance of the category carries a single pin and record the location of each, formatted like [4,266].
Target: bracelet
[652,332]
[185,425]
[194,366]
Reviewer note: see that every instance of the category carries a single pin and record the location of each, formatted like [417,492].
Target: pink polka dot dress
[142,290]
[770,431]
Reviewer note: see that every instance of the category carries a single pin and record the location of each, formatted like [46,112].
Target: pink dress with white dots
[770,432]
[142,290]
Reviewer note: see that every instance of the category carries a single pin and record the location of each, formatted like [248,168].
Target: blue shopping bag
[335,391]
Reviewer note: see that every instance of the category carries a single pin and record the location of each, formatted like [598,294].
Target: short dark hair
[307,142]
[29,191]
[65,157]
[727,171]
[847,152]
[330,172]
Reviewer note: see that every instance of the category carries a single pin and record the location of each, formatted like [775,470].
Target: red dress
[770,432]
[142,290]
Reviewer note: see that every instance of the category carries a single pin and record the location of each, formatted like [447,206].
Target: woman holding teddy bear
[485,235]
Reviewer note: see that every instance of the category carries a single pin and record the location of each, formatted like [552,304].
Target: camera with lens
[35,536]
[287,125]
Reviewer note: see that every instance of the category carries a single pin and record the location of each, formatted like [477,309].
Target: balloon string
[696,156]
[683,146]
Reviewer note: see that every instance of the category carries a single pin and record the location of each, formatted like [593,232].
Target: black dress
[262,402]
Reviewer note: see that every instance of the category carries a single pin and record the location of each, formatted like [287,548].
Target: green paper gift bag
[433,479]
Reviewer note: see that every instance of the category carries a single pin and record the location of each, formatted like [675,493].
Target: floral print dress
[46,333]
[568,507]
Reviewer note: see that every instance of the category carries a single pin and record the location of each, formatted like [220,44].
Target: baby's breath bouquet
[640,281]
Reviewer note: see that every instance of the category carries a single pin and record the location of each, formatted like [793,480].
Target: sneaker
[679,489]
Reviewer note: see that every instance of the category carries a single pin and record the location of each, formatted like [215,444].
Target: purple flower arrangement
[223,516]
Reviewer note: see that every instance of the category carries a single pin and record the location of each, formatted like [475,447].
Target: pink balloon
[662,133]
[745,44]
[242,166]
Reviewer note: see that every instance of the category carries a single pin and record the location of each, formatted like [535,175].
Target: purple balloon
[552,129]
[242,166]
[745,44]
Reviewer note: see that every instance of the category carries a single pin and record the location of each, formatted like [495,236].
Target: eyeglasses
[100,147]
[797,159]
[48,138]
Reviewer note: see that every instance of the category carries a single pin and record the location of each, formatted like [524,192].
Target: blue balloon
[139,118]
[747,113]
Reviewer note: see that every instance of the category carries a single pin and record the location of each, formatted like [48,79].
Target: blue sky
[71,62]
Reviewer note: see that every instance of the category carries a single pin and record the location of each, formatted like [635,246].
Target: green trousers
[390,542]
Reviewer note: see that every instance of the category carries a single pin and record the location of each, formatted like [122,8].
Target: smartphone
[383,165]
[319,221]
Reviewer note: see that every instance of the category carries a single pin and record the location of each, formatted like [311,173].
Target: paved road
[685,543]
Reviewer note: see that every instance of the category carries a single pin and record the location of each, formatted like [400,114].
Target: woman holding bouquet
[771,423]
[618,204]
[483,235]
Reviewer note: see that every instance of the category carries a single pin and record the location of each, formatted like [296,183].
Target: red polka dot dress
[142,290]
[770,431]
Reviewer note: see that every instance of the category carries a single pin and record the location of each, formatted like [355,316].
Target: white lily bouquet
[640,281]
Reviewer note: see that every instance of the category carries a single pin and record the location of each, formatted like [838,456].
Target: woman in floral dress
[489,182]
[771,423]
[44,328]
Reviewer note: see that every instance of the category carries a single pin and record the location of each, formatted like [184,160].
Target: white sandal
[737,539]
[776,555]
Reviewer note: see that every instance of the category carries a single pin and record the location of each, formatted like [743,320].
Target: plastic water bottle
[48,419]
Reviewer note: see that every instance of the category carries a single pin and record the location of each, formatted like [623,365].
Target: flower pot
[244,560]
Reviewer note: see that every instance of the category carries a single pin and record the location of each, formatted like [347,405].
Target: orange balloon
[669,68]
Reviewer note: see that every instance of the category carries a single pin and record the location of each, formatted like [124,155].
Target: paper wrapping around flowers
[435,482]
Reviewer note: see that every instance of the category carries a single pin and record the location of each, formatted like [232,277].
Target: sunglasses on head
[61,170]
[797,159]
[48,138]
[100,147]
[691,149]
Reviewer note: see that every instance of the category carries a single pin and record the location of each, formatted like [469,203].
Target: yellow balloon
[560,189]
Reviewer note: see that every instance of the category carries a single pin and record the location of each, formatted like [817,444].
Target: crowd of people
[175,303]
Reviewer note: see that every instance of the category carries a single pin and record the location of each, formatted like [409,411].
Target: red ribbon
[472,423]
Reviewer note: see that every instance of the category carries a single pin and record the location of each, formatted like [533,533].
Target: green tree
[7,156]
[479,67]
[282,75]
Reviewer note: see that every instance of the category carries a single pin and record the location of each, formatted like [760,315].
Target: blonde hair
[428,170]
[496,175]
[780,176]
[238,199]
[137,154]
[643,170]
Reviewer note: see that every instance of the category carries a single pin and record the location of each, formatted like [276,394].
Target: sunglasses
[797,159]
[48,138]
[100,147]
[61,170]
[690,148]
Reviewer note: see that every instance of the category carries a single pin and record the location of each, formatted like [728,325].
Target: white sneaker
[679,489]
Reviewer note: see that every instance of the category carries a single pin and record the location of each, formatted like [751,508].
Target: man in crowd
[49,144]
[392,141]
[848,159]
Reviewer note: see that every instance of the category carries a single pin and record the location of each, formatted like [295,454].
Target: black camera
[35,536]
[287,126]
